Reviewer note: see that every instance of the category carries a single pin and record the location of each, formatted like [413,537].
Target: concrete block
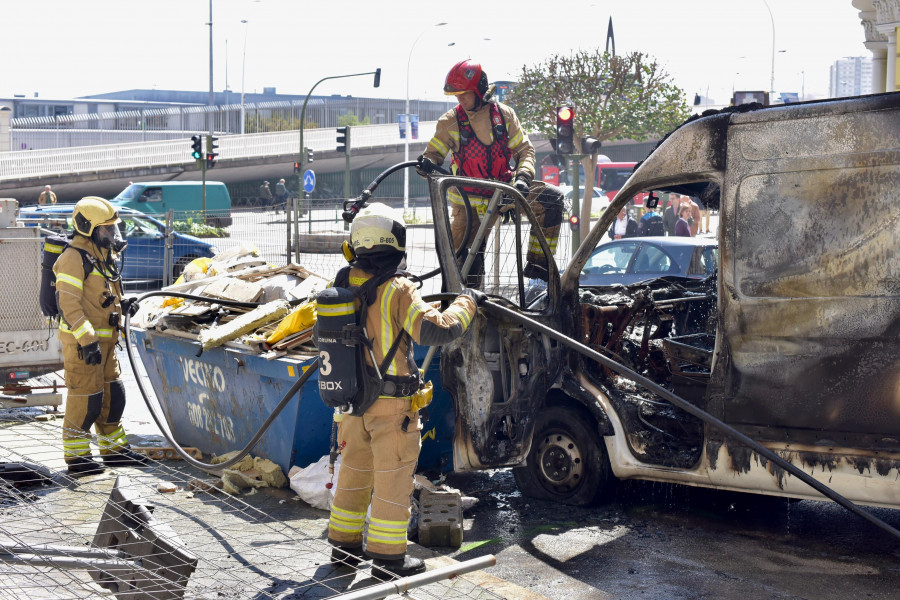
[440,519]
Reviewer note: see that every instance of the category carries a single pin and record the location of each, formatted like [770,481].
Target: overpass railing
[91,159]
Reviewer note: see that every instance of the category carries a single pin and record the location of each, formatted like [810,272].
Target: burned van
[794,341]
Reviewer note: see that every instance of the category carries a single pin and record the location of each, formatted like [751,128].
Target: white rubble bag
[314,484]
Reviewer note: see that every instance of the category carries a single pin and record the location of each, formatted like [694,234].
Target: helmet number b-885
[325,365]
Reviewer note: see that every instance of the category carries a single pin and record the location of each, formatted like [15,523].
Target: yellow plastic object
[302,317]
[173,302]
[422,397]
[194,268]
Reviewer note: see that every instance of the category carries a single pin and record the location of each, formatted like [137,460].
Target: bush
[199,229]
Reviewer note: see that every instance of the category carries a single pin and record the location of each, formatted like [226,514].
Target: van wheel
[567,462]
[180,264]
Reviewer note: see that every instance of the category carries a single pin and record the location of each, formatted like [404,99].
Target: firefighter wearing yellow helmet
[486,141]
[381,445]
[89,296]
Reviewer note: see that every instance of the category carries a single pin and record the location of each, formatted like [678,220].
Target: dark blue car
[143,258]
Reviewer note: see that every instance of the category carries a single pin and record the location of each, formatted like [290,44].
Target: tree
[615,97]
[351,120]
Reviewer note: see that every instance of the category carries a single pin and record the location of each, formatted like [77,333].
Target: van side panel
[811,273]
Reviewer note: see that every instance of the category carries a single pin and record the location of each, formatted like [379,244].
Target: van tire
[567,462]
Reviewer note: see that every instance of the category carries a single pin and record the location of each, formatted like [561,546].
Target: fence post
[288,220]
[169,254]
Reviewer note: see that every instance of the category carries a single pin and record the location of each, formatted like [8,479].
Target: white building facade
[881,22]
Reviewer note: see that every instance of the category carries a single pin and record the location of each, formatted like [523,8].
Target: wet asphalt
[654,540]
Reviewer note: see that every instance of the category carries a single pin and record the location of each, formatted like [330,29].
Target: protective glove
[424,166]
[523,180]
[92,354]
[477,296]
[130,306]
[507,205]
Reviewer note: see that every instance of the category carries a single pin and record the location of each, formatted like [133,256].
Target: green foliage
[255,124]
[615,97]
[351,120]
[199,229]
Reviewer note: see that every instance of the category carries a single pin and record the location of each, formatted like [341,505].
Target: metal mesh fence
[318,238]
[159,531]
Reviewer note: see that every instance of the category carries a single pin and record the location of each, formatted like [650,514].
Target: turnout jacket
[446,139]
[399,306]
[84,320]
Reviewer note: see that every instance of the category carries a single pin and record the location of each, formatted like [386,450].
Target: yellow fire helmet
[378,228]
[92,212]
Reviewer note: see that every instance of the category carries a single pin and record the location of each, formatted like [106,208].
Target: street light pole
[243,71]
[301,159]
[772,78]
[408,124]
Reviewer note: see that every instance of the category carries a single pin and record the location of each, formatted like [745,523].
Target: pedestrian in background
[47,197]
[651,224]
[694,221]
[281,194]
[682,227]
[265,194]
[623,227]
[670,216]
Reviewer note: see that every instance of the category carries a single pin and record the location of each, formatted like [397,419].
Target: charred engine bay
[663,329]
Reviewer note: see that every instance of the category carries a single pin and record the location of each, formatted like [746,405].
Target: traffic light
[211,153]
[589,145]
[573,222]
[343,139]
[196,147]
[296,167]
[565,130]
[309,155]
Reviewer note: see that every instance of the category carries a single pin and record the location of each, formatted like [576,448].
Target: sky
[68,48]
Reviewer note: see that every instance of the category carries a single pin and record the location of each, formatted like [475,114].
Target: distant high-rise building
[851,76]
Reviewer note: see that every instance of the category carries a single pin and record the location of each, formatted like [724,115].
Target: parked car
[143,258]
[600,199]
[186,198]
[636,259]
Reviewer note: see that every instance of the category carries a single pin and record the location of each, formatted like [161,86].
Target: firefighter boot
[403,567]
[346,556]
[84,465]
[536,271]
[125,457]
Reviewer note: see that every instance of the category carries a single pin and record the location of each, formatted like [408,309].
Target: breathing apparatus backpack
[346,380]
[54,246]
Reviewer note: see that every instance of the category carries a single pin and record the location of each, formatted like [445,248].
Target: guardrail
[91,159]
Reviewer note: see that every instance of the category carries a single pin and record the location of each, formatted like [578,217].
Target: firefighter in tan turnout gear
[90,307]
[381,446]
[486,141]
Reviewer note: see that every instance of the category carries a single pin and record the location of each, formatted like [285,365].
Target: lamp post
[243,71]
[772,78]
[301,160]
[408,125]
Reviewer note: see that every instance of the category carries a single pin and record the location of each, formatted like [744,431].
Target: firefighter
[90,307]
[381,446]
[485,139]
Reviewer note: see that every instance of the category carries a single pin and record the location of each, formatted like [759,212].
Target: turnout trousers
[545,201]
[95,397]
[377,466]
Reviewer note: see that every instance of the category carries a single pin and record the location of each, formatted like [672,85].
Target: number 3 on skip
[324,364]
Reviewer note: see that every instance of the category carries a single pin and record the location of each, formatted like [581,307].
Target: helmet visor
[109,236]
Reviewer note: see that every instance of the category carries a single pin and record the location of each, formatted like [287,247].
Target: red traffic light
[296,167]
[573,222]
[565,113]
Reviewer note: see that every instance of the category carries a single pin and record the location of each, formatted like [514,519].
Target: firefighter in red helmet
[486,141]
